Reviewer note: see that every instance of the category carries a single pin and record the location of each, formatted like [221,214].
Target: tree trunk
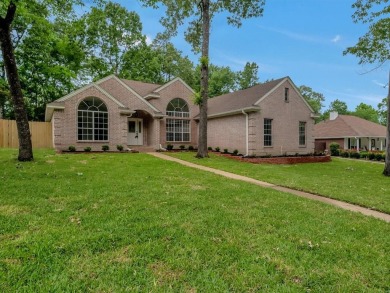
[25,145]
[386,171]
[204,81]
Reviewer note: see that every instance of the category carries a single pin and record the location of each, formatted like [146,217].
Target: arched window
[178,123]
[92,120]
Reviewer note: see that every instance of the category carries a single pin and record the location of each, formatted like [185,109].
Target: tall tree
[374,46]
[25,145]
[222,80]
[199,14]
[110,32]
[366,112]
[249,76]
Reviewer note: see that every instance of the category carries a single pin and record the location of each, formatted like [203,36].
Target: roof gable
[248,98]
[173,81]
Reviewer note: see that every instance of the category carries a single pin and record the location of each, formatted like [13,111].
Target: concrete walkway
[338,203]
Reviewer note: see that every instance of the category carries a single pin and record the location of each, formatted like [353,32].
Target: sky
[303,39]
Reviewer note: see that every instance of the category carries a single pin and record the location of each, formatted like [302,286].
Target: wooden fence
[41,134]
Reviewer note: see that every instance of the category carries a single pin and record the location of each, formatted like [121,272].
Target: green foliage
[225,151]
[354,155]
[366,112]
[105,148]
[235,152]
[119,147]
[170,147]
[210,148]
[248,77]
[382,112]
[87,149]
[182,147]
[378,157]
[72,148]
[345,154]
[314,99]
[190,148]
[217,149]
[334,149]
[197,98]
[371,156]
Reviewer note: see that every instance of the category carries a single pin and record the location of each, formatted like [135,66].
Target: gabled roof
[228,103]
[142,88]
[348,126]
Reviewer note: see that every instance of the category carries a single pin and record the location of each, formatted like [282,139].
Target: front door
[135,131]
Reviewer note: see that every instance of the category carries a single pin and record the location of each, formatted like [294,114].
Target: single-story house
[114,111]
[267,119]
[350,132]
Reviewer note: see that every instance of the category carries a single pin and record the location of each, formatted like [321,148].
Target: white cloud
[336,39]
[149,39]
[295,36]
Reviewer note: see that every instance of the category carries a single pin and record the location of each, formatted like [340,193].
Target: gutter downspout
[246,131]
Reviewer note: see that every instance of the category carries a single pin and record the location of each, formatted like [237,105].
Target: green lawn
[132,222]
[352,181]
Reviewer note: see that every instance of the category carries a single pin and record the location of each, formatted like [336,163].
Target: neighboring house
[350,132]
[267,119]
[114,111]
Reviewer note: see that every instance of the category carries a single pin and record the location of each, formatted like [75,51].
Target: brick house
[267,119]
[114,111]
[350,132]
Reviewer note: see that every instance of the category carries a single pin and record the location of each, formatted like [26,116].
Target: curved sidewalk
[344,205]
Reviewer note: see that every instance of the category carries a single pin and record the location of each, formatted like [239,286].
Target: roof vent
[333,115]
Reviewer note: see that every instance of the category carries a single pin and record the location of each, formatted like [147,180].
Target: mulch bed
[279,160]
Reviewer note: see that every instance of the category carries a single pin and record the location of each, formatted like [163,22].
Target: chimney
[333,115]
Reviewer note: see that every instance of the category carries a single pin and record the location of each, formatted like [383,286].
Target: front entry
[135,131]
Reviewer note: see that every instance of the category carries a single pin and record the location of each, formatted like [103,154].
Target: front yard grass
[353,181]
[132,222]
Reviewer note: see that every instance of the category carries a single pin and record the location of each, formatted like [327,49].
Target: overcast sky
[303,39]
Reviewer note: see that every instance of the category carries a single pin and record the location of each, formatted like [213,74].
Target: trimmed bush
[119,147]
[72,148]
[225,151]
[87,149]
[235,152]
[169,147]
[334,149]
[371,156]
[344,154]
[190,148]
[217,149]
[378,157]
[364,155]
[182,147]
[355,155]
[210,148]
[105,148]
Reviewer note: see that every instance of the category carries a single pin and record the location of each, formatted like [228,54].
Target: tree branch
[10,13]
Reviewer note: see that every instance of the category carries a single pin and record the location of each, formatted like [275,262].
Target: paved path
[338,203]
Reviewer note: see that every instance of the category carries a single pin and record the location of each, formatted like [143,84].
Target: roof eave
[235,112]
[50,110]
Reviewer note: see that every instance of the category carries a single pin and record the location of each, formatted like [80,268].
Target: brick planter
[281,160]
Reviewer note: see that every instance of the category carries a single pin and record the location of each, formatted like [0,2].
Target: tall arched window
[92,120]
[178,123]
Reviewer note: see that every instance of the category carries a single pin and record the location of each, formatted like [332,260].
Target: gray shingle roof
[348,126]
[142,88]
[240,99]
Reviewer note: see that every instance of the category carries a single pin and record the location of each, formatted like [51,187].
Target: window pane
[92,120]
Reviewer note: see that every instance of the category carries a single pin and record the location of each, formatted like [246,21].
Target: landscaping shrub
[364,155]
[217,149]
[235,152]
[182,147]
[119,147]
[105,148]
[210,148]
[378,157]
[72,148]
[344,154]
[190,148]
[169,147]
[87,149]
[354,155]
[334,149]
[371,156]
[225,151]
